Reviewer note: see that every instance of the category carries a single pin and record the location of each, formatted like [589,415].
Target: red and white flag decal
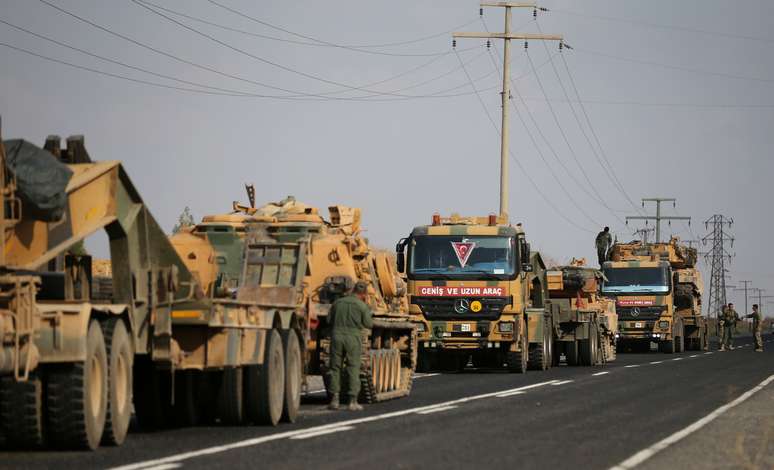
[463,251]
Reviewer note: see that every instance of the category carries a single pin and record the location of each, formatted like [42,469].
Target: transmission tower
[719,240]
[658,217]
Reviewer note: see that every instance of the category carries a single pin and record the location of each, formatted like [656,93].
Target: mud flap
[535,325]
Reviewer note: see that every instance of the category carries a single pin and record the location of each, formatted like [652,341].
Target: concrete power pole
[506,36]
[718,253]
[658,217]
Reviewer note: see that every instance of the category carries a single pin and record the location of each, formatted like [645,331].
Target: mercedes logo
[461,305]
[635,311]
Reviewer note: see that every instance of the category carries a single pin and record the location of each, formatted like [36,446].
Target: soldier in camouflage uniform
[603,242]
[349,316]
[730,317]
[721,328]
[757,327]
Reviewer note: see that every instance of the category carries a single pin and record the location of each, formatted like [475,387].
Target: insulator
[561,46]
[480,12]
[526,45]
[488,43]
[454,43]
[534,13]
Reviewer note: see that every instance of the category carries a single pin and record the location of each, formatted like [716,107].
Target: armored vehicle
[477,292]
[586,324]
[286,258]
[658,295]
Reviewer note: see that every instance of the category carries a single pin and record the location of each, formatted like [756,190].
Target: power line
[657,104]
[312,43]
[512,156]
[667,27]
[611,173]
[540,152]
[674,67]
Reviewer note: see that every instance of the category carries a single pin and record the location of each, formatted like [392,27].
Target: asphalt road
[566,417]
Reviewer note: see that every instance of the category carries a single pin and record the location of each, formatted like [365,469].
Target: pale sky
[680,95]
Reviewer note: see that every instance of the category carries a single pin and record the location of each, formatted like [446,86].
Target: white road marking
[678,359]
[166,466]
[322,432]
[707,353]
[422,376]
[645,454]
[694,355]
[657,362]
[632,365]
[600,373]
[436,410]
[562,382]
[288,434]
[312,392]
[510,394]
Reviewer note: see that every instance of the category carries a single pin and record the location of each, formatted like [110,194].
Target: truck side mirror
[400,259]
[526,264]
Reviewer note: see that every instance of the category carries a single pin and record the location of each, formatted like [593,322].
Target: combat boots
[334,404]
[353,405]
[758,349]
[722,349]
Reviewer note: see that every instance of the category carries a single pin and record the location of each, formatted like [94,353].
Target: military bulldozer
[586,324]
[301,263]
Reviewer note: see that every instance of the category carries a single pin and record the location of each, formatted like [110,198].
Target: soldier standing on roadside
[757,327]
[721,328]
[603,242]
[730,317]
[348,317]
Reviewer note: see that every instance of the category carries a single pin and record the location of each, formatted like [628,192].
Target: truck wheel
[78,397]
[21,412]
[230,399]
[120,356]
[587,348]
[571,352]
[517,360]
[679,344]
[187,407]
[292,377]
[152,395]
[667,347]
[265,385]
[539,354]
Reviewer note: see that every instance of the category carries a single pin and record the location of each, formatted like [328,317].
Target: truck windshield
[635,280]
[462,255]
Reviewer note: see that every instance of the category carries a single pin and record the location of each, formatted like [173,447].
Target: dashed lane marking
[631,365]
[708,353]
[510,394]
[437,410]
[600,373]
[177,458]
[322,432]
[657,362]
[678,359]
[694,355]
[562,382]
[649,452]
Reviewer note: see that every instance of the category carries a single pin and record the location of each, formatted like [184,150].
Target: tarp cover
[41,180]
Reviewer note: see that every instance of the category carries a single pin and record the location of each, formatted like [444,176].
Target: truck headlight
[663,324]
[505,327]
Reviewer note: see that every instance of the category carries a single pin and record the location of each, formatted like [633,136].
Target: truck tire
[230,400]
[120,357]
[21,412]
[667,347]
[78,397]
[187,408]
[571,353]
[152,395]
[539,354]
[517,360]
[265,385]
[588,348]
[293,377]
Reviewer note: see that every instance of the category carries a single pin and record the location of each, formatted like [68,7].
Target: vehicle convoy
[212,325]
[477,291]
[658,293]
[297,264]
[585,323]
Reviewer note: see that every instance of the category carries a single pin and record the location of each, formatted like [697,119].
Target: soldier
[757,327]
[603,242]
[730,317]
[721,328]
[348,317]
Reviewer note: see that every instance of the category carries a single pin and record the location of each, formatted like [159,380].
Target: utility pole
[506,36]
[658,217]
[718,253]
[644,234]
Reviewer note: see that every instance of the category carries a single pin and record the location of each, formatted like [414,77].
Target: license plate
[639,325]
[465,327]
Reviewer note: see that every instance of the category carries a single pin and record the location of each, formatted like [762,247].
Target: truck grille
[638,313]
[442,308]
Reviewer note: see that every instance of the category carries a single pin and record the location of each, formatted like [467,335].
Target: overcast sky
[679,94]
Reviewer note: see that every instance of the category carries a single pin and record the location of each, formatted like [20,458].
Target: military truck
[477,291]
[658,295]
[178,345]
[297,264]
[585,322]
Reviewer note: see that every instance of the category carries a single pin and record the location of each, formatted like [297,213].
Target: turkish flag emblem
[463,251]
